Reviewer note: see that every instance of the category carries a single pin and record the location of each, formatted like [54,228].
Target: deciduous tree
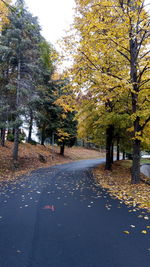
[111,61]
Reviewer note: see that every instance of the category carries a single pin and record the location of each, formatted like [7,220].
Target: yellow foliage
[3,13]
[65,102]
[101,73]
[62,135]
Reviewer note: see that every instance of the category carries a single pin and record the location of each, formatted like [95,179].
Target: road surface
[60,217]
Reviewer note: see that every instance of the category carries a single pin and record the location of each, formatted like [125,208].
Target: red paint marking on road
[53,209]
[49,207]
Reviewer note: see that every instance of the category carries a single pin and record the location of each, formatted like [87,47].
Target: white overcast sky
[54,16]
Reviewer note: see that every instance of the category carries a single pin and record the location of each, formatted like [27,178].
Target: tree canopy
[110,71]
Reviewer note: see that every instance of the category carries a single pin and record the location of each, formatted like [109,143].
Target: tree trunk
[62,149]
[135,94]
[118,148]
[16,129]
[16,144]
[109,139]
[3,133]
[123,155]
[43,136]
[30,126]
[136,154]
[136,162]
[112,153]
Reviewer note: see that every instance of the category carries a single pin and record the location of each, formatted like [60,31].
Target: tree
[67,131]
[20,49]
[111,62]
[4,8]
[55,117]
[46,111]
[67,124]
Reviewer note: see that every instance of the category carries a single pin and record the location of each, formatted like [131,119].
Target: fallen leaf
[144,232]
[126,232]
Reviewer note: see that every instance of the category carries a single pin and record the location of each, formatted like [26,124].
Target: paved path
[145,169]
[59,217]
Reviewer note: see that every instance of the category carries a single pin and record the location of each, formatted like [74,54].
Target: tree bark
[137,128]
[43,136]
[118,148]
[30,126]
[16,129]
[16,144]
[109,140]
[112,153]
[136,162]
[123,155]
[3,134]
[62,149]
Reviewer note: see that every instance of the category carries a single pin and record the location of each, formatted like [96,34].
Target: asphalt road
[60,217]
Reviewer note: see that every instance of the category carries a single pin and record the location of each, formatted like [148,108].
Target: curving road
[59,217]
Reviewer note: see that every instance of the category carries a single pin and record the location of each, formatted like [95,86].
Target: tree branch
[124,55]
[120,45]
[89,60]
[7,5]
[146,121]
[145,81]
[142,72]
[145,54]
[142,40]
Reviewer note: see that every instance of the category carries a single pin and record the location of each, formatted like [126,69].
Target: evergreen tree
[19,53]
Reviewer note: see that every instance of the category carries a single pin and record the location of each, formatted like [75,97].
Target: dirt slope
[36,156]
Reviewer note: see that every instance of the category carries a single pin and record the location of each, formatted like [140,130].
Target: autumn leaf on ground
[118,184]
[144,232]
[126,232]
[29,158]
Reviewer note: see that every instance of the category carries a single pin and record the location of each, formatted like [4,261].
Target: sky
[55,16]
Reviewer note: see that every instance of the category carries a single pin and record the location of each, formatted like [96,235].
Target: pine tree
[20,49]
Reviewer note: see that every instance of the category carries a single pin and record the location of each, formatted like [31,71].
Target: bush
[10,137]
[22,137]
